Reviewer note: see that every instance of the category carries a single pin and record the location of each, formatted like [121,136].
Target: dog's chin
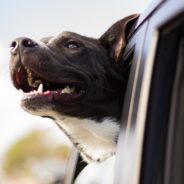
[37,107]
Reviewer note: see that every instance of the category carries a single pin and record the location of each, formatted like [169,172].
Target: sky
[37,19]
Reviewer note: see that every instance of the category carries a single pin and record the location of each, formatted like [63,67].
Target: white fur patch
[95,140]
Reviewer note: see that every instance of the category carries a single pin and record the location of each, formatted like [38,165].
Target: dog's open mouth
[35,86]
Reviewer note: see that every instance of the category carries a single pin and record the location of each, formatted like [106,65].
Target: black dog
[76,81]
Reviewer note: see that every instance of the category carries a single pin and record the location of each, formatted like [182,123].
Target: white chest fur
[95,140]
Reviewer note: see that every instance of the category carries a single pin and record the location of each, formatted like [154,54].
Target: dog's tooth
[40,88]
[68,90]
[35,92]
[30,80]
[63,90]
[29,93]
[37,83]
[29,72]
[30,77]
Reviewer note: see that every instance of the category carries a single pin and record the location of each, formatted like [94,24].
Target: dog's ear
[115,38]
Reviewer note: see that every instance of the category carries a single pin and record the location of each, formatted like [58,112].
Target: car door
[150,144]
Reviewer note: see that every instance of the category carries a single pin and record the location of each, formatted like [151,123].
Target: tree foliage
[33,146]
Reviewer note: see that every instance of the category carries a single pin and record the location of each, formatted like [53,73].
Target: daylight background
[37,19]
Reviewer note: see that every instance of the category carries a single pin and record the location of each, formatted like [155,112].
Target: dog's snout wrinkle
[21,43]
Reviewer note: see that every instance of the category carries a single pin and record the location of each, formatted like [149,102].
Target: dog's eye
[72,45]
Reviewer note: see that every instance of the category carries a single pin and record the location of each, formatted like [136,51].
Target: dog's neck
[95,140]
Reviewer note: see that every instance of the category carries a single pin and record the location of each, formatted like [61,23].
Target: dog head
[72,75]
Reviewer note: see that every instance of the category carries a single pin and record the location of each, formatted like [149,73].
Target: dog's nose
[21,43]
